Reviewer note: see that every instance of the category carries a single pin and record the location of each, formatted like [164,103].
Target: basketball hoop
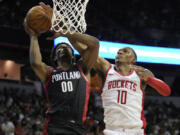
[69,16]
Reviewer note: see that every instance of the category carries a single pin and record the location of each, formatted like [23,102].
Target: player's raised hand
[47,8]
[29,30]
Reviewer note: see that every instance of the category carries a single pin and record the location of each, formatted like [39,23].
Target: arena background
[150,23]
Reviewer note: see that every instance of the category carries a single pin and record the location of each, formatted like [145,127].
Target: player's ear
[134,60]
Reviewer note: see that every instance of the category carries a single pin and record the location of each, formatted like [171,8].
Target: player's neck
[65,65]
[124,69]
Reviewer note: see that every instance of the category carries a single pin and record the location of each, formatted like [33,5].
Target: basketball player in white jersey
[123,89]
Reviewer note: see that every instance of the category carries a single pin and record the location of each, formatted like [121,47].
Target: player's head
[126,55]
[62,52]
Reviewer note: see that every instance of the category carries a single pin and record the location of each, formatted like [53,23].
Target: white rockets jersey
[123,100]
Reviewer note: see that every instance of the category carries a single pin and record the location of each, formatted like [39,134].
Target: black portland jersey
[67,93]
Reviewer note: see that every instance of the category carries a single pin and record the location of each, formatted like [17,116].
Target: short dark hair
[53,53]
[135,55]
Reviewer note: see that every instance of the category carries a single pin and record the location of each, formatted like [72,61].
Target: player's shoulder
[141,68]
[137,67]
[79,64]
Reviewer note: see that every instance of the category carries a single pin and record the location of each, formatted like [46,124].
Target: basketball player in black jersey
[66,84]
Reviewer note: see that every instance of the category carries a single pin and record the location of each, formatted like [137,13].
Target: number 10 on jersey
[122,95]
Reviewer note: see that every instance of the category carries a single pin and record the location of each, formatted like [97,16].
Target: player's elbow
[95,43]
[34,64]
[159,86]
[167,92]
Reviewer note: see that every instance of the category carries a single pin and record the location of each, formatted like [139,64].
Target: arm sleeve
[160,86]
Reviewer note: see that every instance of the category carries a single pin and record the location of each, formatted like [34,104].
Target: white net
[69,16]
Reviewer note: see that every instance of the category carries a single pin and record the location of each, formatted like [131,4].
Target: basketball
[38,20]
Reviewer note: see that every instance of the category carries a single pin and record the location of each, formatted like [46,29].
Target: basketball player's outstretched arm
[87,46]
[39,67]
[147,76]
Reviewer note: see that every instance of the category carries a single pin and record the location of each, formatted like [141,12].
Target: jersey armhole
[49,76]
[105,78]
[81,71]
[47,83]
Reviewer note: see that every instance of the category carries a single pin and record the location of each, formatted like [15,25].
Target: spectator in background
[18,128]
[8,127]
[1,132]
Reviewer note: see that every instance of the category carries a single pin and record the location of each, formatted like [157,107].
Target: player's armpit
[160,86]
[101,65]
[42,71]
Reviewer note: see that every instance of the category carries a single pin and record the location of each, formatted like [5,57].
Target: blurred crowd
[136,21]
[23,113]
[162,118]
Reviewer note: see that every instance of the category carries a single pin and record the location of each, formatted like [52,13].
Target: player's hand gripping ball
[38,20]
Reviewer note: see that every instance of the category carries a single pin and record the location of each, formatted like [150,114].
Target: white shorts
[124,132]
